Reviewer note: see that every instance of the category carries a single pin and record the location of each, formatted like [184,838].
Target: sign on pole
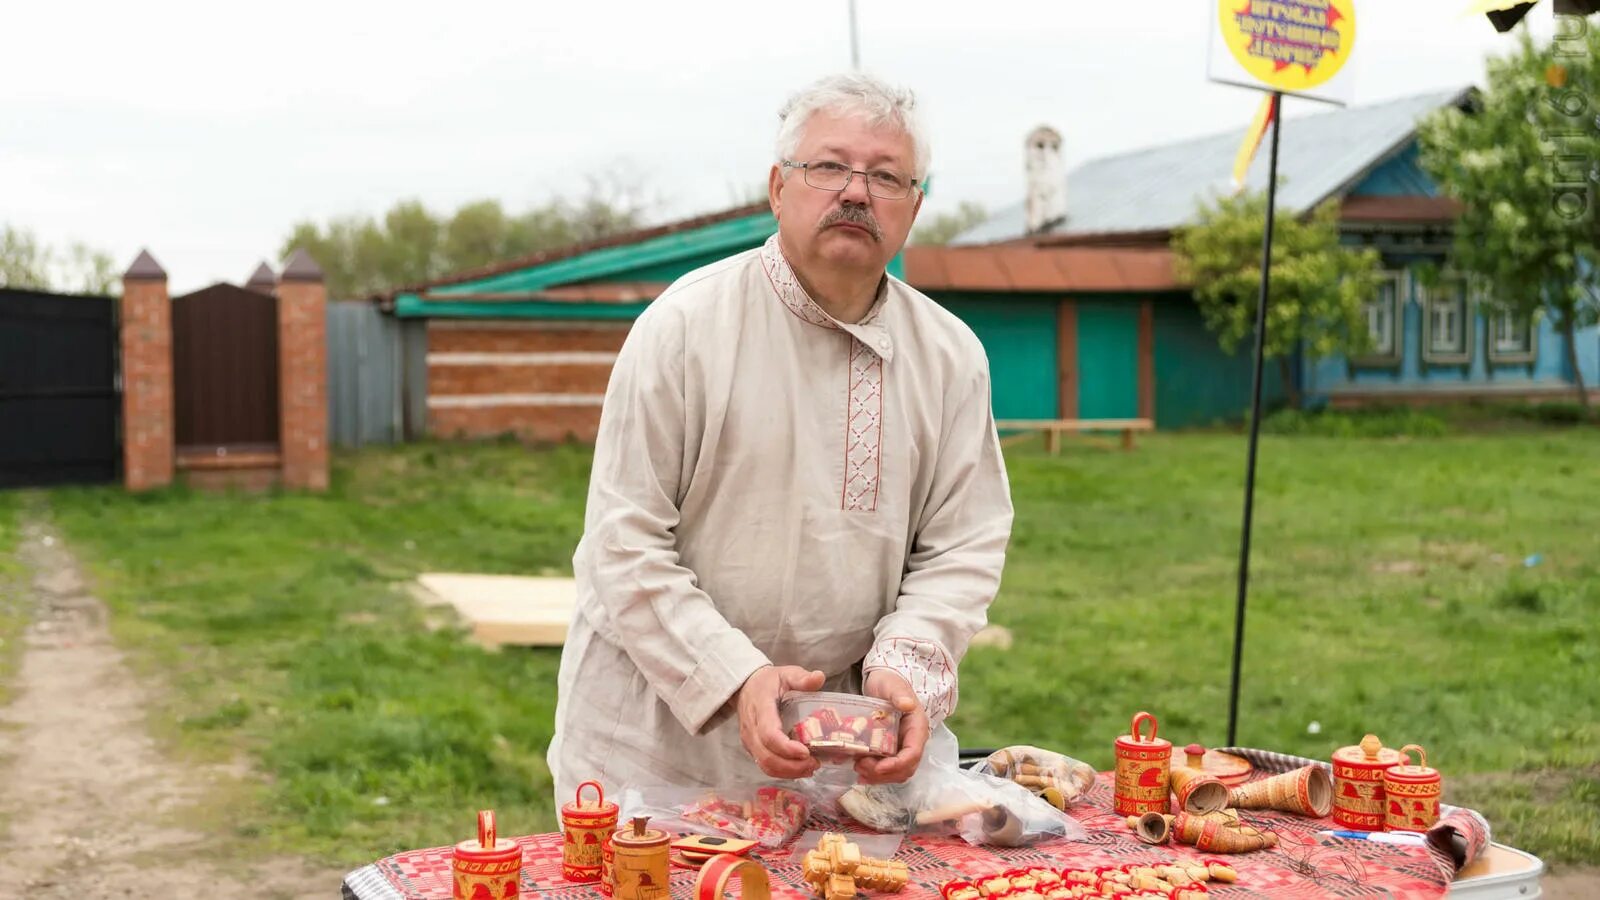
[1297,47]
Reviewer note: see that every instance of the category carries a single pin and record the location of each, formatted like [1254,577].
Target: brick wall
[146,336]
[542,381]
[303,374]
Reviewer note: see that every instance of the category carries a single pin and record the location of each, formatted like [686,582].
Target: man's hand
[886,685]
[760,728]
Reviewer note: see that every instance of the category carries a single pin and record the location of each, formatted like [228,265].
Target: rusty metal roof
[1019,267]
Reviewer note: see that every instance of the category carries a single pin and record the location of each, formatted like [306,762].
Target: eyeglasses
[827,175]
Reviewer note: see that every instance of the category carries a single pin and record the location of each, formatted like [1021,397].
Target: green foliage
[363,256]
[1525,163]
[15,600]
[942,228]
[25,262]
[1318,285]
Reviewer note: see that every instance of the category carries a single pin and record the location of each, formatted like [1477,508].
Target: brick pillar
[303,374]
[146,335]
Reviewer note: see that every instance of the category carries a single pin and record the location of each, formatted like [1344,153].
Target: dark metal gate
[59,405]
[225,370]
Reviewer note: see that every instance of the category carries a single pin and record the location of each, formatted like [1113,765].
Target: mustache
[854,215]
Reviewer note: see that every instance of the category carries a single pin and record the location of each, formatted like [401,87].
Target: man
[797,483]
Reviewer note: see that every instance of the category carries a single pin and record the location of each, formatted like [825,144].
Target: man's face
[848,229]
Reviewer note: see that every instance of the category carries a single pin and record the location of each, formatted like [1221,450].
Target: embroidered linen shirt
[771,485]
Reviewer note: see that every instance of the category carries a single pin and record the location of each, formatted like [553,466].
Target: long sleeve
[652,605]
[953,570]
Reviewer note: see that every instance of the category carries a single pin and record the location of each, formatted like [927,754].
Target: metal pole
[855,48]
[1255,422]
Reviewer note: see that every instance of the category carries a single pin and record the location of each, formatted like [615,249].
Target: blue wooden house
[1432,338]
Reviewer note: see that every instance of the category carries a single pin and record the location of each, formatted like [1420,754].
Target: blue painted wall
[1399,176]
[1549,368]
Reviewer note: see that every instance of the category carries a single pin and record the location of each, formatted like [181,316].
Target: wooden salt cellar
[585,825]
[489,864]
[1142,776]
[1411,793]
[1358,783]
[640,863]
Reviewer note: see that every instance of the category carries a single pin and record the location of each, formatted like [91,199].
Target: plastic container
[841,727]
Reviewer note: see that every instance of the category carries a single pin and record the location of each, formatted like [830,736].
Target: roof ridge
[568,251]
[1452,93]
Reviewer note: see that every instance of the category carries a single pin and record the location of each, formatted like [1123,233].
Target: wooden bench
[1053,428]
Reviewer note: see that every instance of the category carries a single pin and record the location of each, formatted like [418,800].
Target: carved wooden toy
[712,882]
[1306,791]
[1358,783]
[1197,792]
[836,868]
[1221,832]
[640,863]
[1411,793]
[1142,775]
[487,867]
[585,826]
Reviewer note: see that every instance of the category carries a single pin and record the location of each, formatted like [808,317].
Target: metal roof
[1157,189]
[1024,268]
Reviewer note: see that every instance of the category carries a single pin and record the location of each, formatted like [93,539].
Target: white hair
[855,95]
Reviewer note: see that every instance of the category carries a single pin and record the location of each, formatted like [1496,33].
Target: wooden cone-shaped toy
[1221,832]
[1198,792]
[1306,791]
[1152,828]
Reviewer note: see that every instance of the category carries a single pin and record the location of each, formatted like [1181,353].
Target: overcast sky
[204,130]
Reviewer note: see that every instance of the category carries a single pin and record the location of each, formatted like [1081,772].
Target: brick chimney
[146,336]
[303,373]
[1046,179]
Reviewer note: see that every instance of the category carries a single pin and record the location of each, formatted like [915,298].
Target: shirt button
[883,344]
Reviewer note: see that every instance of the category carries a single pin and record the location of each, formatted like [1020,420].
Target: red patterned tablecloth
[1303,866]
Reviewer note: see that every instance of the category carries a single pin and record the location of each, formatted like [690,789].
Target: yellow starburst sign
[1294,46]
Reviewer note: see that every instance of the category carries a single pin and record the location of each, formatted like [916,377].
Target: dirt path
[89,807]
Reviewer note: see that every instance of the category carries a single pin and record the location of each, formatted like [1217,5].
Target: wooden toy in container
[841,727]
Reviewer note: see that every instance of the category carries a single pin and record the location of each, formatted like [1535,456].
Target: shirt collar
[870,331]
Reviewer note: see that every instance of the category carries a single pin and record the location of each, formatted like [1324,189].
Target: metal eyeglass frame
[805,168]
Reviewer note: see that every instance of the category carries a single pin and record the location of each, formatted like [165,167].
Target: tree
[25,262]
[361,256]
[943,228]
[1524,161]
[1319,287]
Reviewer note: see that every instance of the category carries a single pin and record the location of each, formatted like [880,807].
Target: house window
[1385,320]
[1510,337]
[1447,330]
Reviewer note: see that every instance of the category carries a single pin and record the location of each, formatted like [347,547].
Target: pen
[1382,837]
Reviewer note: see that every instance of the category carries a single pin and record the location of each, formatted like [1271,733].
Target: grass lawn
[1389,594]
[14,610]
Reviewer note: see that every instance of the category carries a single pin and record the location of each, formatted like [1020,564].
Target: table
[1305,865]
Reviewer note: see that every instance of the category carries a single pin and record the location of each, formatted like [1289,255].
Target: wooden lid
[597,810]
[638,837]
[1227,768]
[1369,754]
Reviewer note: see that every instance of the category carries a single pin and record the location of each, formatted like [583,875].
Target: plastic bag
[1060,780]
[768,814]
[944,798]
